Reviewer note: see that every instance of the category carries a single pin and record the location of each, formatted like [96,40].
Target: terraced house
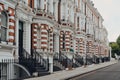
[38,37]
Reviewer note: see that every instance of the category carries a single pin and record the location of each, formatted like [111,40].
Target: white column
[17,37]
[62,11]
[27,37]
[50,6]
[35,3]
[66,11]
[51,63]
[72,15]
[110,53]
[47,6]
[75,19]
[85,46]
[74,44]
[56,11]
[42,4]
[56,43]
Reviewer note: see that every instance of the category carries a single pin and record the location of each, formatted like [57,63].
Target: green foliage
[115,47]
[118,41]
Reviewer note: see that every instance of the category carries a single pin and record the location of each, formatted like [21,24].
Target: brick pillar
[51,39]
[44,37]
[76,44]
[61,40]
[11,25]
[67,41]
[34,35]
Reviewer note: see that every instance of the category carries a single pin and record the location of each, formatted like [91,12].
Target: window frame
[78,23]
[7,26]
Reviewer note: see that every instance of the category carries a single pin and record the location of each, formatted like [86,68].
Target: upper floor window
[31,3]
[78,23]
[63,41]
[4,24]
[4,19]
[38,4]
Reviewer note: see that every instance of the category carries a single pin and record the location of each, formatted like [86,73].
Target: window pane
[38,4]
[20,25]
[3,33]
[4,19]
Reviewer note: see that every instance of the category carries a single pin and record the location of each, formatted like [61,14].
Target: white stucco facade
[52,26]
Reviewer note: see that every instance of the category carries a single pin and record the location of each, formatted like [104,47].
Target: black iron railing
[79,59]
[40,60]
[26,60]
[63,59]
[33,62]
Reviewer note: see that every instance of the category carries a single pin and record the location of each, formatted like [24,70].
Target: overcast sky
[110,10]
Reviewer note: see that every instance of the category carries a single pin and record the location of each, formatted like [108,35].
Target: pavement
[108,73]
[65,74]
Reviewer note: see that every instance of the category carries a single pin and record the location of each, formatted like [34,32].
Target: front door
[20,38]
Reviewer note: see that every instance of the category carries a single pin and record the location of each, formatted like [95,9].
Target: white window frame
[7,27]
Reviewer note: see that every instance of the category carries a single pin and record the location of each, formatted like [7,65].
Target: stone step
[43,73]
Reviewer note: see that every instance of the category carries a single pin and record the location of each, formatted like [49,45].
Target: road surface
[108,73]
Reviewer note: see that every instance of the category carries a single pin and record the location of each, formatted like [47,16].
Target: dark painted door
[20,38]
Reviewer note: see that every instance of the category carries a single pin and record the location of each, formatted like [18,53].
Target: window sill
[4,44]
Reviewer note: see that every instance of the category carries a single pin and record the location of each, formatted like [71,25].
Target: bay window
[3,28]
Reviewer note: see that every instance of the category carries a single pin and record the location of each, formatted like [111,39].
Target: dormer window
[4,24]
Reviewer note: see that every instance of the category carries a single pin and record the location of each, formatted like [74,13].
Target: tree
[115,48]
[118,40]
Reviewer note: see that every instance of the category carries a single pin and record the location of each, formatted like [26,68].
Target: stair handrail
[68,60]
[25,54]
[39,58]
[78,58]
[76,62]
[26,60]
[56,56]
[57,63]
